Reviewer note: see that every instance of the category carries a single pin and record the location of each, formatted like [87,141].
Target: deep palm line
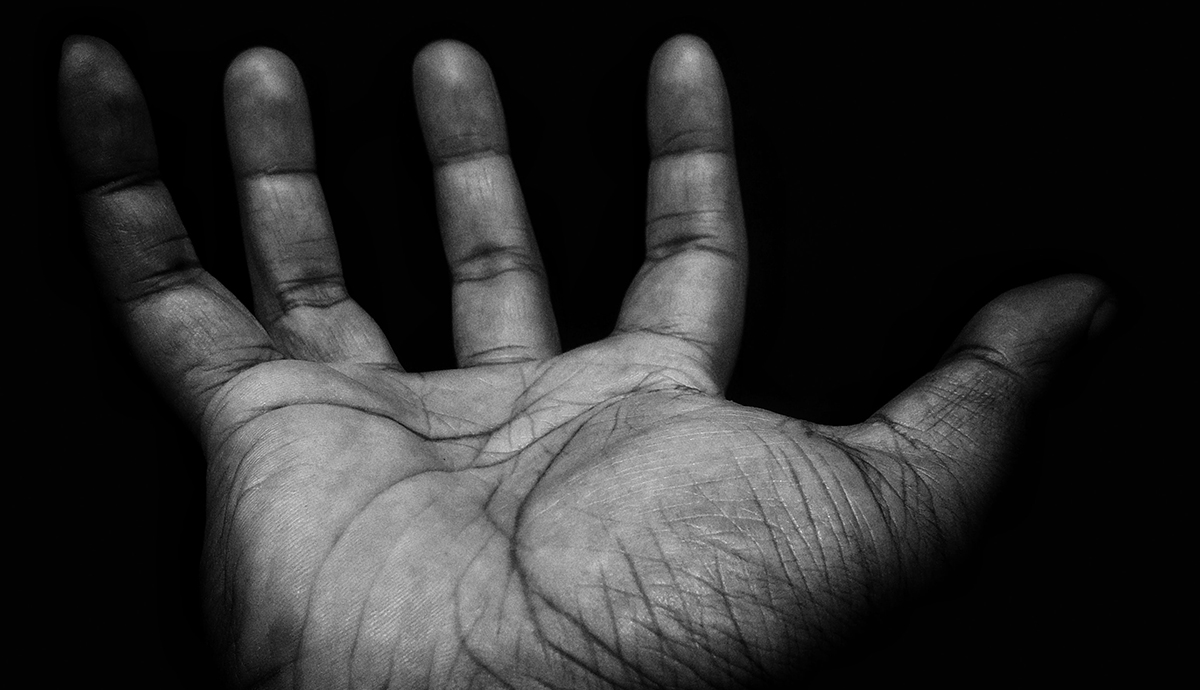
[363,520]
[517,568]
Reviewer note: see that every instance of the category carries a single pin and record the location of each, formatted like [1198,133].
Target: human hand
[600,516]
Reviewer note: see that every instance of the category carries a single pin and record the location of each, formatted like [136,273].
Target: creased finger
[299,292]
[692,284]
[501,304]
[189,331]
[958,426]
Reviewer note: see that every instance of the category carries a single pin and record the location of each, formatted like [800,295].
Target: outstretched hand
[602,517]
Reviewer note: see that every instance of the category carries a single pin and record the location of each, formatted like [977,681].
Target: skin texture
[596,518]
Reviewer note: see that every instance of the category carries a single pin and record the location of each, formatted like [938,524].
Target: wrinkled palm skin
[598,518]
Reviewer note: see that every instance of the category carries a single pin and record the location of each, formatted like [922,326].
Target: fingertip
[93,63]
[1094,303]
[103,117]
[1085,285]
[264,72]
[1073,297]
[687,106]
[266,113]
[80,50]
[685,60]
[450,64]
[457,101]
[1032,327]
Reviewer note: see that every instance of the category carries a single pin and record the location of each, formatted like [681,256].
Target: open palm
[596,518]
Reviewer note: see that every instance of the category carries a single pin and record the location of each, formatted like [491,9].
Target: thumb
[1030,330]
[956,427]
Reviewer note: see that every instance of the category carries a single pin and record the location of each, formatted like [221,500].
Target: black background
[896,173]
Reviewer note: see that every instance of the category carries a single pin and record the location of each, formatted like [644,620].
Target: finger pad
[457,101]
[687,105]
[686,61]
[267,117]
[102,114]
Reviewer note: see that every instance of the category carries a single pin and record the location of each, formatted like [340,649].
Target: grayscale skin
[597,518]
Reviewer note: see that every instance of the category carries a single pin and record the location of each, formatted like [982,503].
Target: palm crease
[597,518]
